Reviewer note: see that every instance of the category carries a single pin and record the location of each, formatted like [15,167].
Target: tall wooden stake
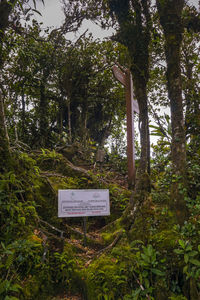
[85,231]
[131,107]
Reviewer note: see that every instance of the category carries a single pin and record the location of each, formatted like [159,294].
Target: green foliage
[180,297]
[148,270]
[17,261]
[106,279]
[66,268]
[191,258]
[48,158]
[15,212]
[119,198]
[6,288]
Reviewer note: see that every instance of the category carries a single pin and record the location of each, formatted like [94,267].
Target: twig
[51,226]
[50,234]
[51,174]
[68,227]
[141,286]
[107,226]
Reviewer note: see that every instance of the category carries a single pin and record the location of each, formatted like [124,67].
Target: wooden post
[85,231]
[130,130]
[125,78]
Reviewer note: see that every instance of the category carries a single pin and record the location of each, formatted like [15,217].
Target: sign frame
[81,203]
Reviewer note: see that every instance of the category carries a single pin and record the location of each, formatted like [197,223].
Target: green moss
[106,277]
[166,239]
[108,237]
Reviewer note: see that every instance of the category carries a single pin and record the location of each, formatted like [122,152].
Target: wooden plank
[130,130]
[119,75]
[131,108]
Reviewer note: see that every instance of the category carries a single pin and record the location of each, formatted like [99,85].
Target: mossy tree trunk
[170,18]
[5,157]
[43,116]
[191,91]
[134,32]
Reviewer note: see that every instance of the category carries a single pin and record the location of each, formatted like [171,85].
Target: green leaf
[9,260]
[195,262]
[3,286]
[188,248]
[192,253]
[145,258]
[181,243]
[178,251]
[145,273]
[146,283]
[150,250]
[3,246]
[186,258]
[15,288]
[157,272]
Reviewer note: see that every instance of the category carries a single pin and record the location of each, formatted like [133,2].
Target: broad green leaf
[188,248]
[178,251]
[15,287]
[181,243]
[3,286]
[147,283]
[192,253]
[195,262]
[157,272]
[186,258]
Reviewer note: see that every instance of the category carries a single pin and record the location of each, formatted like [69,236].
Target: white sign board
[82,203]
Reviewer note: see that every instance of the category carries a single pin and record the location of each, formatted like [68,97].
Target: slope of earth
[45,257]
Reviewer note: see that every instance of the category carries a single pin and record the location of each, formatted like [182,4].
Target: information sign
[83,203]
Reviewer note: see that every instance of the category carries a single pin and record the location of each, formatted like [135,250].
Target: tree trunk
[170,19]
[5,156]
[60,116]
[69,121]
[23,113]
[192,99]
[5,11]
[144,164]
[134,33]
[139,52]
[43,119]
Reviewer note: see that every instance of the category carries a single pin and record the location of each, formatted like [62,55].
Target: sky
[52,15]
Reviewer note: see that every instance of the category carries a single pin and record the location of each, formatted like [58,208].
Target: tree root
[114,242]
[62,232]
[47,174]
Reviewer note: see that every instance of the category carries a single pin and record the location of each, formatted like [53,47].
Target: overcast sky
[52,15]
